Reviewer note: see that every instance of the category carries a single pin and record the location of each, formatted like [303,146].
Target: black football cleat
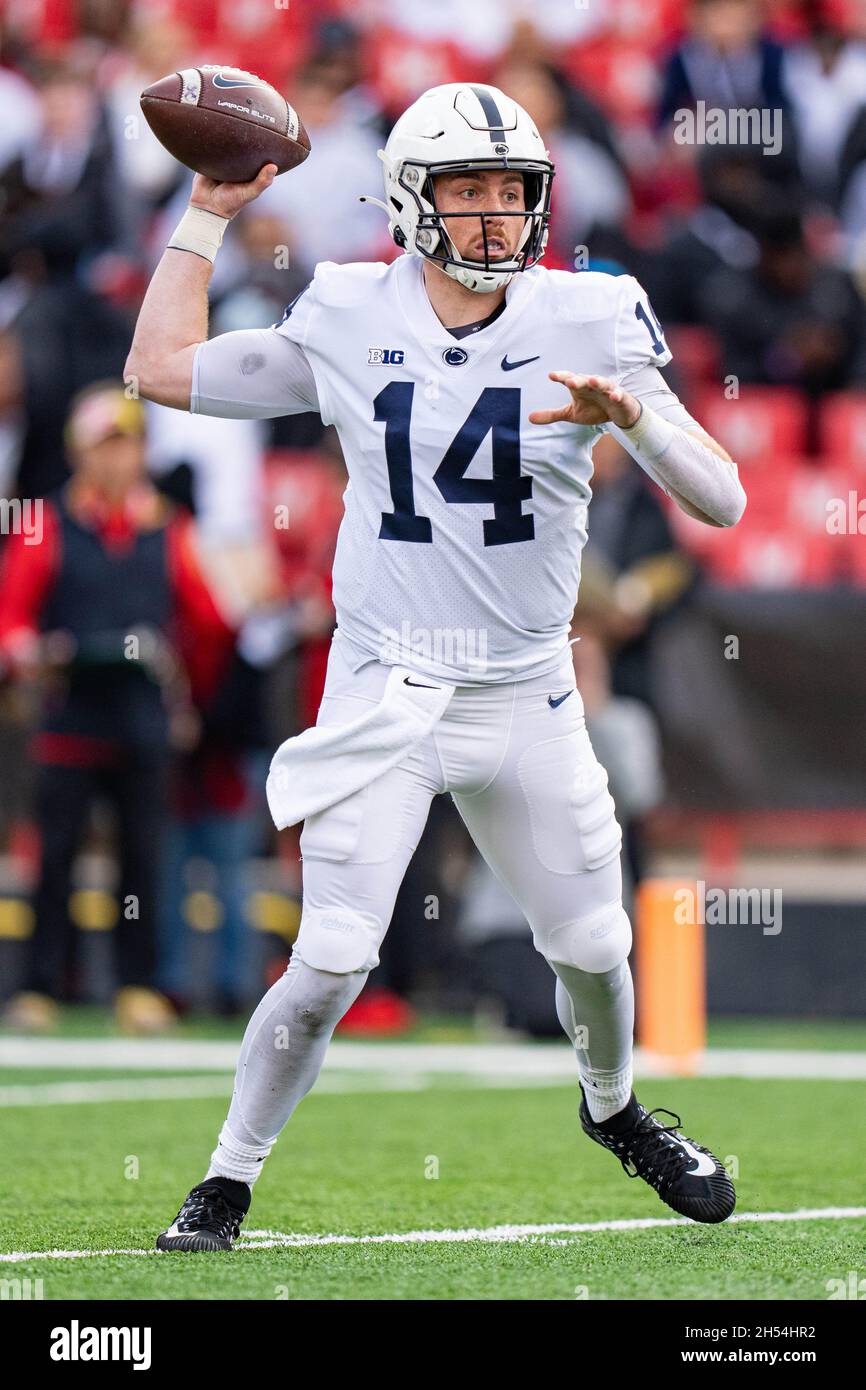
[684,1174]
[210,1218]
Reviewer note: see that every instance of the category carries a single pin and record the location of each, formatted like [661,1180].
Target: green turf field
[457,1156]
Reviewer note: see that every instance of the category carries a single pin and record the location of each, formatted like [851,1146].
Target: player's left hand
[594,401]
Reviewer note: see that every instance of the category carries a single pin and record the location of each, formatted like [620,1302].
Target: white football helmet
[451,128]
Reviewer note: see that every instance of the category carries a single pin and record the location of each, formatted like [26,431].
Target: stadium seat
[774,557]
[793,492]
[402,66]
[759,425]
[271,40]
[620,75]
[618,58]
[767,489]
[647,22]
[812,495]
[842,428]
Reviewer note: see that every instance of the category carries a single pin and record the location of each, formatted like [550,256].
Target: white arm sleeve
[649,386]
[663,442]
[251,374]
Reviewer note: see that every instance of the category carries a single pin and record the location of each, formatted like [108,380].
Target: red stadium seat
[775,557]
[648,22]
[766,490]
[842,428]
[621,63]
[622,76]
[271,40]
[845,519]
[793,492]
[402,66]
[758,426]
[814,493]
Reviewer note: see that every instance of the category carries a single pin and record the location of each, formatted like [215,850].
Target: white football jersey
[459,552]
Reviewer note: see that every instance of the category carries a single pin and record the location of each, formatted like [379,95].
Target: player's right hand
[226,199]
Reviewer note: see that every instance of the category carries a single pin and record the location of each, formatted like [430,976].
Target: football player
[468,384]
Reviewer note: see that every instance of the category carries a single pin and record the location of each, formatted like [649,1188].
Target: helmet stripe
[491,113]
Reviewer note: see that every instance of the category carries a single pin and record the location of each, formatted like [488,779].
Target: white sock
[281,1056]
[232,1159]
[606,1092]
[597,1013]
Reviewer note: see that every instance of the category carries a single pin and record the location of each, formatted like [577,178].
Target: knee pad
[595,943]
[339,939]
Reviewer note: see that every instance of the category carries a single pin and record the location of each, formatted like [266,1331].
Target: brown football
[224,123]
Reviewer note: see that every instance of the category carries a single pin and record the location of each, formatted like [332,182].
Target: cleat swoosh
[706,1163]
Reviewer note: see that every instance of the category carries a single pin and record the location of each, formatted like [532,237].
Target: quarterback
[468,384]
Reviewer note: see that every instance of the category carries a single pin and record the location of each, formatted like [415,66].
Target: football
[224,123]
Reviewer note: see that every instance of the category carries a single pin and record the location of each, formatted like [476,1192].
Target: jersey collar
[433,336]
[468,330]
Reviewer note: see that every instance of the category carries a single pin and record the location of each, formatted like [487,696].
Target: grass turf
[817,1034]
[356,1164]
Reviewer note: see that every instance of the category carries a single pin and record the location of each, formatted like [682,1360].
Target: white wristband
[650,435]
[199,231]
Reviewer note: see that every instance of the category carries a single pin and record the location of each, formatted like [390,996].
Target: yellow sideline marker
[671,975]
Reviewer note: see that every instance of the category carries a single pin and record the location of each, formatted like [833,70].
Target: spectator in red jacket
[96,591]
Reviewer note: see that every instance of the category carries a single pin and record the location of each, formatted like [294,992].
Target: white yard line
[496,1063]
[270,1240]
[190,1088]
[90,1092]
[779,1063]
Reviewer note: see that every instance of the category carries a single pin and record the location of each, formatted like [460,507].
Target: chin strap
[462,276]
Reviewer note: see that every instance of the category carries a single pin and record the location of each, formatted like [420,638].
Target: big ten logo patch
[385,357]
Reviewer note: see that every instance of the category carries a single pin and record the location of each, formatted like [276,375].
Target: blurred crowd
[209,542]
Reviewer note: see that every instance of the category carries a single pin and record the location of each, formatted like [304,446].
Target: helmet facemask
[433,242]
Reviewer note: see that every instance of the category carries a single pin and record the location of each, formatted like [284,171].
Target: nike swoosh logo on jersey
[556,700]
[510,366]
[420,684]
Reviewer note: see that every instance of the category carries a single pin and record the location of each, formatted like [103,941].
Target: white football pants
[519,765]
